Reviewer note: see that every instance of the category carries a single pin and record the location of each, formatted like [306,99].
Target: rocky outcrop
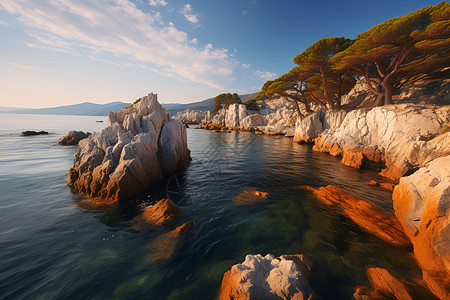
[140,146]
[164,245]
[73,137]
[403,137]
[250,196]
[422,204]
[253,122]
[364,214]
[426,92]
[313,125]
[29,133]
[189,116]
[268,277]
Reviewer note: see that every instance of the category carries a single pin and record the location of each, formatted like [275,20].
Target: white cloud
[157,2]
[186,12]
[25,67]
[194,41]
[246,66]
[244,12]
[4,23]
[266,75]
[118,29]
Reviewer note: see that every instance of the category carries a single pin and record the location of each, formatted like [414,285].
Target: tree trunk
[379,101]
[387,91]
[340,93]
[325,89]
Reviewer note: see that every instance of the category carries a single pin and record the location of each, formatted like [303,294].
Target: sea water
[51,247]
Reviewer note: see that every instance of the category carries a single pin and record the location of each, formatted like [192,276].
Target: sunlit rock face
[268,277]
[422,204]
[140,146]
[403,137]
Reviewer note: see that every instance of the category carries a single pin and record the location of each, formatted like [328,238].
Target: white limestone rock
[252,122]
[268,277]
[139,147]
[404,137]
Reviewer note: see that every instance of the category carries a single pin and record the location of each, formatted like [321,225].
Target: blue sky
[59,52]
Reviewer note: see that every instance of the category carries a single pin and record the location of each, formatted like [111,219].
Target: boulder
[164,245]
[73,137]
[422,205]
[163,213]
[139,147]
[267,277]
[364,214]
[29,133]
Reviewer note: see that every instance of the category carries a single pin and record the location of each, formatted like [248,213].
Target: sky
[62,52]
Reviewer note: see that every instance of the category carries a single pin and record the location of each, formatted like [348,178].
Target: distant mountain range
[92,109]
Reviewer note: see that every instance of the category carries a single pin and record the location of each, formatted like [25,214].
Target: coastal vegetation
[224,100]
[392,54]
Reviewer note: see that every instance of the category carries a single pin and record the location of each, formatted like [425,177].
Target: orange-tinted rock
[384,185]
[73,137]
[364,214]
[382,280]
[163,213]
[422,204]
[388,186]
[164,245]
[383,286]
[250,196]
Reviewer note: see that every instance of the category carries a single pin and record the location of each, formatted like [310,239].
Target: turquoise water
[53,248]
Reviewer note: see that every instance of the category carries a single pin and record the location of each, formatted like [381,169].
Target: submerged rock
[163,213]
[140,146]
[384,286]
[422,204]
[250,196]
[73,137]
[364,214]
[268,277]
[164,245]
[30,132]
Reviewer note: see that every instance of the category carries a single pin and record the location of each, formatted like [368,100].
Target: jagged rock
[164,245]
[139,147]
[28,133]
[73,137]
[268,277]
[163,213]
[190,116]
[403,137]
[422,205]
[364,214]
[250,196]
[385,185]
[313,125]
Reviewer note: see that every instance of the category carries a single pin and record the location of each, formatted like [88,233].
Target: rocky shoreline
[409,143]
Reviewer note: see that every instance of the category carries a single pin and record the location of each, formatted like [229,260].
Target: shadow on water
[62,250]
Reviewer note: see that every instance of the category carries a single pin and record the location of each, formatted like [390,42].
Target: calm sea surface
[53,248]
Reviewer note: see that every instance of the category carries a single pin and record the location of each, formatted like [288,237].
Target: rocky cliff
[140,146]
[422,205]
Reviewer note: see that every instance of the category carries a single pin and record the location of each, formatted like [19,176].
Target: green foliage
[251,104]
[135,102]
[224,100]
[400,50]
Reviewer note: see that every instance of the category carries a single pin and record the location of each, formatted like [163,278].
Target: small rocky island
[140,146]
